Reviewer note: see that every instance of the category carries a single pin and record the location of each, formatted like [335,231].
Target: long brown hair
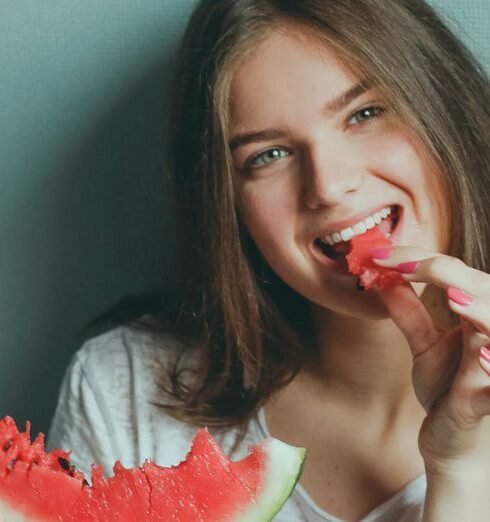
[249,330]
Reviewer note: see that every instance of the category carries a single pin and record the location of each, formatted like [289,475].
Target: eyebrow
[342,100]
[329,109]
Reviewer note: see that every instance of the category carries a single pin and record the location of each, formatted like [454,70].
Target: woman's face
[315,153]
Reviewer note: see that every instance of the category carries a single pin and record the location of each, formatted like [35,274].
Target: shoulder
[126,357]
[126,342]
[108,407]
[110,404]
[126,371]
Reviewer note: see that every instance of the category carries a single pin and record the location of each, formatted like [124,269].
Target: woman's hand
[451,376]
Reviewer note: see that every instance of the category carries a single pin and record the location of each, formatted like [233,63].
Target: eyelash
[378,112]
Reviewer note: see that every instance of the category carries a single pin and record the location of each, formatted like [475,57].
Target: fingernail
[459,297]
[485,354]
[381,252]
[408,267]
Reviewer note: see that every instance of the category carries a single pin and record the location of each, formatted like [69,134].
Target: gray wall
[83,216]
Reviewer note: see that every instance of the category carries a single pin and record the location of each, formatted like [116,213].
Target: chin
[369,306]
[365,306]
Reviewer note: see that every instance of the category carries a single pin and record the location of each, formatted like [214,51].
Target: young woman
[297,125]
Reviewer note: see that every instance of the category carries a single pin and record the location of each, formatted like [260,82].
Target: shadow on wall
[110,234]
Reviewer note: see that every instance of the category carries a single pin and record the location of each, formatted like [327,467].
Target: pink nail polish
[485,354]
[407,268]
[459,297]
[380,252]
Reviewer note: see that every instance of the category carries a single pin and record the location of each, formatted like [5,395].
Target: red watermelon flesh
[360,262]
[206,487]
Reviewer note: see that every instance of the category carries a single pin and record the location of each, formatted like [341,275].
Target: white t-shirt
[107,412]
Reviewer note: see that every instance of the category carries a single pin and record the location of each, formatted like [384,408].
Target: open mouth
[340,249]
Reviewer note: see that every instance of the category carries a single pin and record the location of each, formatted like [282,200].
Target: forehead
[288,69]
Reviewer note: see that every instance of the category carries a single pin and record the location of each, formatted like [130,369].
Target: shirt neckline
[409,490]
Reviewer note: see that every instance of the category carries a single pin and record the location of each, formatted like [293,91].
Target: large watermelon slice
[205,487]
[360,262]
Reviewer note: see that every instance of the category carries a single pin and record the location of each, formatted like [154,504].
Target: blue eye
[366,114]
[267,157]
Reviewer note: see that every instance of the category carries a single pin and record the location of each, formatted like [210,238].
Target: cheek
[431,194]
[267,211]
[408,166]
[394,157]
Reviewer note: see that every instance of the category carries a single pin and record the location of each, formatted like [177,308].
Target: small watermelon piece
[359,261]
[36,486]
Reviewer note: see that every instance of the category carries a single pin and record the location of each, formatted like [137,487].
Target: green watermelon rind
[7,514]
[278,482]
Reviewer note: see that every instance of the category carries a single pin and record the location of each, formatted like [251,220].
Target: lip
[335,266]
[347,223]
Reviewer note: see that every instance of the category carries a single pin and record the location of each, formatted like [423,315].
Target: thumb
[410,315]
[435,353]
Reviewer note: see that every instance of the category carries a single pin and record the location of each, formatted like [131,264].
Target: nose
[330,176]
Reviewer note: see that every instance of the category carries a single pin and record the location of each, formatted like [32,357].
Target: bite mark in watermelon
[359,261]
[36,486]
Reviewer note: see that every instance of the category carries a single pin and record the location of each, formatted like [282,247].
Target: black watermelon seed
[7,445]
[64,463]
[359,286]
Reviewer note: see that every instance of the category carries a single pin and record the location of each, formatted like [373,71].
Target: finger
[474,310]
[434,370]
[472,381]
[410,315]
[484,358]
[473,340]
[418,265]
[468,289]
[436,355]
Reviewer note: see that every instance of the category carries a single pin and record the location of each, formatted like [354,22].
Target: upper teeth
[358,228]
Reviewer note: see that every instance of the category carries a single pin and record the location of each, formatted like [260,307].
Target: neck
[364,362]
